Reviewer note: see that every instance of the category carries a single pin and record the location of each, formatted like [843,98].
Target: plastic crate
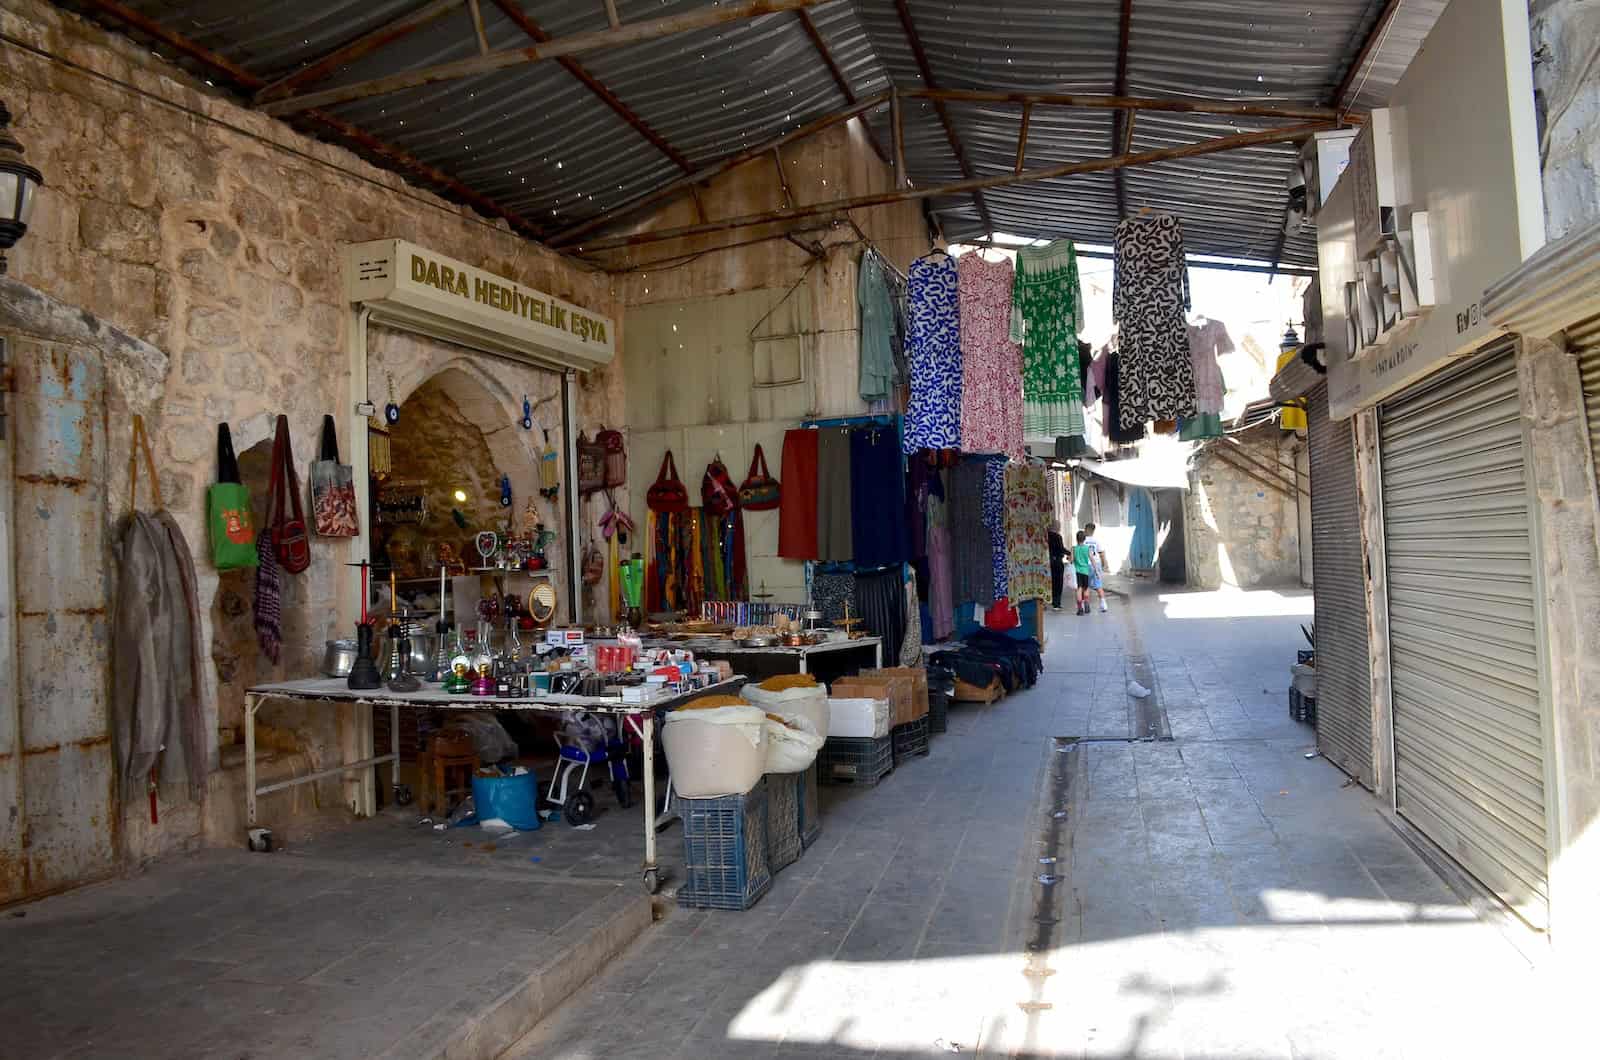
[853,760]
[810,811]
[783,819]
[725,850]
[910,740]
[938,710]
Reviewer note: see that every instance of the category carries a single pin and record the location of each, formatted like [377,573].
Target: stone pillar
[1566,512]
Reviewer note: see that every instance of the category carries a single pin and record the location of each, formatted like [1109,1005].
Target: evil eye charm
[505,491]
[527,414]
[391,413]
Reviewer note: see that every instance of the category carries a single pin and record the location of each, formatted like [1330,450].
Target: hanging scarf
[269,599]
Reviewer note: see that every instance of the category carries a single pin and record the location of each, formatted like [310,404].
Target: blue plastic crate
[783,819]
[725,850]
[810,811]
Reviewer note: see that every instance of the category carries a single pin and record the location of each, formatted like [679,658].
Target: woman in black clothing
[1058,567]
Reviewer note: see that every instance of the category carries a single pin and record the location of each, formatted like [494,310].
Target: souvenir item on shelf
[760,492]
[1149,296]
[487,543]
[933,349]
[616,451]
[594,564]
[441,652]
[549,470]
[290,540]
[228,512]
[667,493]
[591,466]
[333,489]
[459,680]
[391,411]
[364,671]
[1046,316]
[402,501]
[717,491]
[991,364]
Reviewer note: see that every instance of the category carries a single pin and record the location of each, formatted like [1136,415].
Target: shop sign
[1440,199]
[473,305]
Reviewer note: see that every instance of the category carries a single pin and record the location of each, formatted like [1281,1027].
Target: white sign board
[450,299]
[1463,173]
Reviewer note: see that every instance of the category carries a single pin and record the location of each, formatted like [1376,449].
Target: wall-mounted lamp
[19,183]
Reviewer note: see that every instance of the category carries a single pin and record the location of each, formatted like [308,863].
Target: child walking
[1099,555]
[1083,567]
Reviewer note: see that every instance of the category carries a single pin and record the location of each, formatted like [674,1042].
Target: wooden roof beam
[698,18]
[350,51]
[845,88]
[1282,134]
[700,176]
[926,70]
[249,82]
[513,11]
[1120,88]
[1374,37]
[1291,111]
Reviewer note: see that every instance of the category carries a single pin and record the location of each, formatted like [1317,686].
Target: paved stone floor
[1218,894]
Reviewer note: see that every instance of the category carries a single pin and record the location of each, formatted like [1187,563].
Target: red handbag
[667,493]
[291,541]
[717,490]
[760,492]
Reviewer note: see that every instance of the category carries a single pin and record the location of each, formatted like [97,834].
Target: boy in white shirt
[1095,582]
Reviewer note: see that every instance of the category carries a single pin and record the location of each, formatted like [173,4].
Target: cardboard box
[898,689]
[858,718]
[919,686]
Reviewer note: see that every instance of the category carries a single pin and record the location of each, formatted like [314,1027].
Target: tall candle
[441,592]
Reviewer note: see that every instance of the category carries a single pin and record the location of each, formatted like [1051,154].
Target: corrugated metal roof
[536,140]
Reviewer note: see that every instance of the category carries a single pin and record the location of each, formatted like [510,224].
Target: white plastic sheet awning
[1168,472]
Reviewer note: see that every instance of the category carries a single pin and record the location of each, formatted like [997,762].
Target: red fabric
[1001,616]
[797,510]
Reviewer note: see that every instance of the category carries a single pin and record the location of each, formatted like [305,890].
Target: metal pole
[251,701]
[648,734]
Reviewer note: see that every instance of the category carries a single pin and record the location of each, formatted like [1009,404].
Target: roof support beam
[477,27]
[611,15]
[513,11]
[250,83]
[597,40]
[1120,88]
[1379,30]
[897,127]
[839,79]
[1022,136]
[1152,103]
[361,46]
[700,176]
[966,187]
[926,70]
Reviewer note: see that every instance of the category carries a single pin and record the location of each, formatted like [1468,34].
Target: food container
[338,658]
[762,640]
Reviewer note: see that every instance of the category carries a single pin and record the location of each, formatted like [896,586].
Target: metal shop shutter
[1338,563]
[1464,659]
[1585,341]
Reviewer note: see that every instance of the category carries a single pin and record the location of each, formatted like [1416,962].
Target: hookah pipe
[364,672]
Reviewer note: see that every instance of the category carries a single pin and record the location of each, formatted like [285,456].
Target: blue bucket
[513,799]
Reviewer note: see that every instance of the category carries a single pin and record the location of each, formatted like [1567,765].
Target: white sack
[858,718]
[717,751]
[808,703]
[791,747]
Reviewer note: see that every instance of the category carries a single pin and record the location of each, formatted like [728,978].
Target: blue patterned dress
[994,517]
[933,348]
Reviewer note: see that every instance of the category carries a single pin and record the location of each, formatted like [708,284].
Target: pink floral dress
[991,364]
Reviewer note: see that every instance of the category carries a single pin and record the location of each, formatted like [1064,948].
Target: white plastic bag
[717,751]
[809,703]
[792,744]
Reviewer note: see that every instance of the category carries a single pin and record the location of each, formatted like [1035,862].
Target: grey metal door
[1339,583]
[1464,656]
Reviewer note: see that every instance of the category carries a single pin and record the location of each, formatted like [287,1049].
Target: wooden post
[1022,136]
[899,134]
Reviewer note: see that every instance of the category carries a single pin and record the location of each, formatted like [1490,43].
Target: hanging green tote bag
[228,513]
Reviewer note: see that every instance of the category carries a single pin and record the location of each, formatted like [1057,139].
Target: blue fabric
[1141,512]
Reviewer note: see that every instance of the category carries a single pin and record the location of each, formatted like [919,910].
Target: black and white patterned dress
[1148,301]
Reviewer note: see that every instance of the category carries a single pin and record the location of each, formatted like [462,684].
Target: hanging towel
[834,541]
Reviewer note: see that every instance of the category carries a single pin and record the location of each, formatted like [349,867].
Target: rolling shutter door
[1464,660]
[1585,341]
[1338,561]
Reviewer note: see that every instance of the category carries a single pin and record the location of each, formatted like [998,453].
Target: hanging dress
[933,350]
[1150,294]
[1028,518]
[1046,316]
[877,377]
[991,364]
[994,518]
[1206,341]
[941,609]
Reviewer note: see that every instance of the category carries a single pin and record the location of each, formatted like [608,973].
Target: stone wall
[1240,532]
[1566,78]
[189,248]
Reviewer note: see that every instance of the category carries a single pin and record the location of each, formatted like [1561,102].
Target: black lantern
[19,183]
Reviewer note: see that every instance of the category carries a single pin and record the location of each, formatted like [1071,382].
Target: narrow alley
[1218,894]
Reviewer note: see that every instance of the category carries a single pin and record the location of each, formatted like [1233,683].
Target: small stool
[452,749]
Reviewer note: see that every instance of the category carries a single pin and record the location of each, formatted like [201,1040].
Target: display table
[800,657]
[640,717]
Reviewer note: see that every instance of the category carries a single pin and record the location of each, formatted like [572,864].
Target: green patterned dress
[1046,316]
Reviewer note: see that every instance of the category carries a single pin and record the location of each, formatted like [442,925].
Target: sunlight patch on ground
[1238,603]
